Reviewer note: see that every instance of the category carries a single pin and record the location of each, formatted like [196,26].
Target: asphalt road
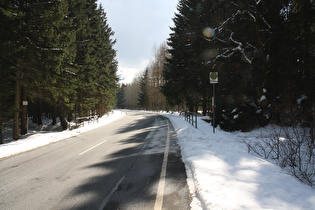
[132,163]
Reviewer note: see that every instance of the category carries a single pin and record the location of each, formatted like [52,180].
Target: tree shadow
[130,178]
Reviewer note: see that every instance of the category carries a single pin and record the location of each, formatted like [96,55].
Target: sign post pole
[213,80]
[213,109]
[25,103]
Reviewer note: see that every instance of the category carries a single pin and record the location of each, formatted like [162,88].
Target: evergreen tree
[185,70]
[58,55]
[143,94]
[9,49]
[34,54]
[238,60]
[106,66]
[261,50]
[59,78]
[121,100]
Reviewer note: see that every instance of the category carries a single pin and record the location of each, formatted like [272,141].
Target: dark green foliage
[121,100]
[180,71]
[61,54]
[143,97]
[262,50]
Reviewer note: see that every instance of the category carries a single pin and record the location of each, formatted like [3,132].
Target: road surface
[132,163]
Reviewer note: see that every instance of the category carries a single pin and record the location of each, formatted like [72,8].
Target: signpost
[214,79]
[25,103]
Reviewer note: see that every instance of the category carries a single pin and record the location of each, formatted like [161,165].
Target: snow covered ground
[35,139]
[221,173]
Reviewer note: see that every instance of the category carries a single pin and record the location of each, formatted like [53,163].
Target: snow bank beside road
[222,175]
[35,139]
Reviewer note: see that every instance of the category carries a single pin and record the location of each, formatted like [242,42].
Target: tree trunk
[1,123]
[39,112]
[204,104]
[1,137]
[54,120]
[24,113]
[93,111]
[17,100]
[63,121]
[54,116]
[190,106]
[70,117]
[99,109]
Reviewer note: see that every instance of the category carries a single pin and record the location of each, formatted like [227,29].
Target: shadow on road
[130,177]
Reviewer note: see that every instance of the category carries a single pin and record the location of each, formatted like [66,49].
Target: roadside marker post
[214,79]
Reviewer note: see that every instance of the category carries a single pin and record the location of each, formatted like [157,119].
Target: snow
[299,100]
[263,97]
[221,174]
[42,138]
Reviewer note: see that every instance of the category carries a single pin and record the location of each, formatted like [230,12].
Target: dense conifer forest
[59,57]
[56,60]
[263,51]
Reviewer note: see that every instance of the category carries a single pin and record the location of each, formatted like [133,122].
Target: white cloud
[128,73]
[138,26]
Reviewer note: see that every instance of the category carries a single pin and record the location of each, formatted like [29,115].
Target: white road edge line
[104,202]
[93,147]
[110,194]
[147,139]
[160,193]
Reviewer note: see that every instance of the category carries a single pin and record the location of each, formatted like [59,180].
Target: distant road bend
[132,163]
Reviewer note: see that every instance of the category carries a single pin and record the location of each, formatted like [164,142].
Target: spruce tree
[58,55]
[184,67]
[143,94]
[10,15]
[261,50]
[106,65]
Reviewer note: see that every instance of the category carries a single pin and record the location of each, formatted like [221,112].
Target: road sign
[214,77]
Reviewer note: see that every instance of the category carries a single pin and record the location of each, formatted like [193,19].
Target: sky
[139,26]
